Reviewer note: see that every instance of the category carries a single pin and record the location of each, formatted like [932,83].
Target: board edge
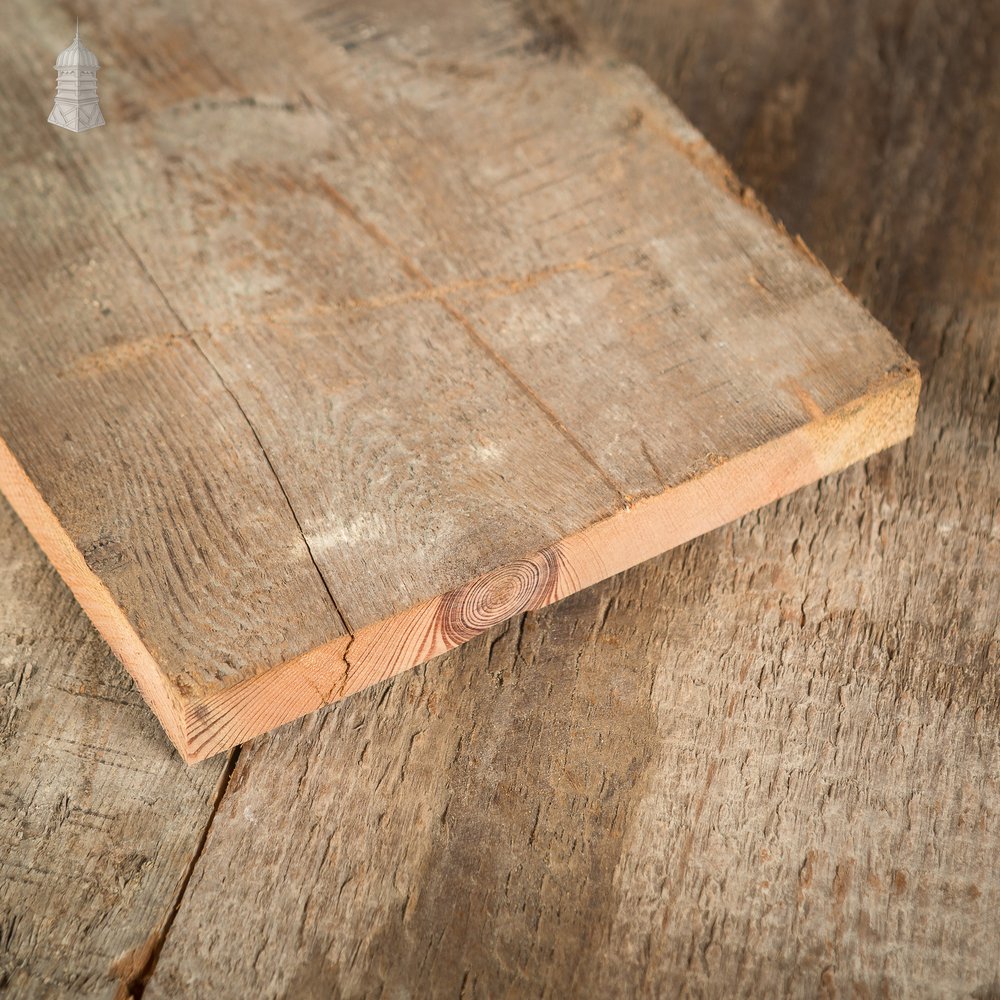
[883,416]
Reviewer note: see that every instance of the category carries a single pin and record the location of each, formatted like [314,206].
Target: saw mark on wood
[493,287]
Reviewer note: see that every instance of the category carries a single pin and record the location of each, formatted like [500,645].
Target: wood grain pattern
[447,306]
[764,764]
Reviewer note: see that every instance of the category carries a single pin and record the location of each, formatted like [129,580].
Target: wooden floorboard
[762,765]
[306,385]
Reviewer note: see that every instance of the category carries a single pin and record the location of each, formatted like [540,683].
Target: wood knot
[493,598]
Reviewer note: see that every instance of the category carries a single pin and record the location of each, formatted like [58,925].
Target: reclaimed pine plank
[330,356]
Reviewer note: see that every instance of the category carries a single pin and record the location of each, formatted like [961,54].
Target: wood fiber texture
[357,333]
[764,764]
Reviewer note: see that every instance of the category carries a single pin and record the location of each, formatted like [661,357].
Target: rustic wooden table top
[764,764]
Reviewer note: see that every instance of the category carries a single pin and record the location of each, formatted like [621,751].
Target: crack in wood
[232,395]
[140,965]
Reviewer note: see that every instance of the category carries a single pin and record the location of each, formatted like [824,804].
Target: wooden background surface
[764,764]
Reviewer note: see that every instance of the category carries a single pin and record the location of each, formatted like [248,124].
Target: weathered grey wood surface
[765,764]
[402,327]
[98,821]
